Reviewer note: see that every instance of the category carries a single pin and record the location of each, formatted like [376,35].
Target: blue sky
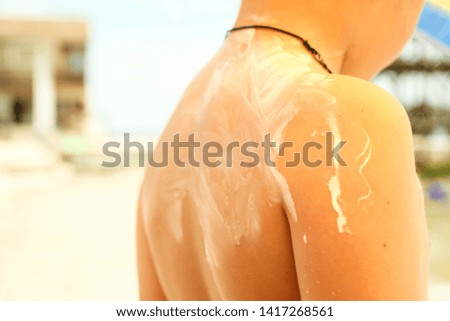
[137,52]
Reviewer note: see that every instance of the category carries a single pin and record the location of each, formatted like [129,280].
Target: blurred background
[76,74]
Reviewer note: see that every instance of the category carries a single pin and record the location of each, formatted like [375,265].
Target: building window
[76,62]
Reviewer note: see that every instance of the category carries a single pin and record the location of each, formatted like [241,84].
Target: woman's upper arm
[359,231]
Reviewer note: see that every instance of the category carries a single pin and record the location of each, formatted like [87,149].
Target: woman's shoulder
[365,101]
[353,102]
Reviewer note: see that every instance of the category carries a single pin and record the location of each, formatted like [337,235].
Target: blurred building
[420,79]
[42,73]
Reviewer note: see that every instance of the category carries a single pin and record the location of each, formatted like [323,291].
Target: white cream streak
[335,190]
[368,148]
[286,194]
[334,186]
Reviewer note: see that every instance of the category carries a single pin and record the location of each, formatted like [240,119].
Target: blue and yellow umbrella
[434,23]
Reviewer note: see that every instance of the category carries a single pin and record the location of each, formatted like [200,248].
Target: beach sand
[69,235]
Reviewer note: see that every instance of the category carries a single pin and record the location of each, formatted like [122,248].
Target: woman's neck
[322,35]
